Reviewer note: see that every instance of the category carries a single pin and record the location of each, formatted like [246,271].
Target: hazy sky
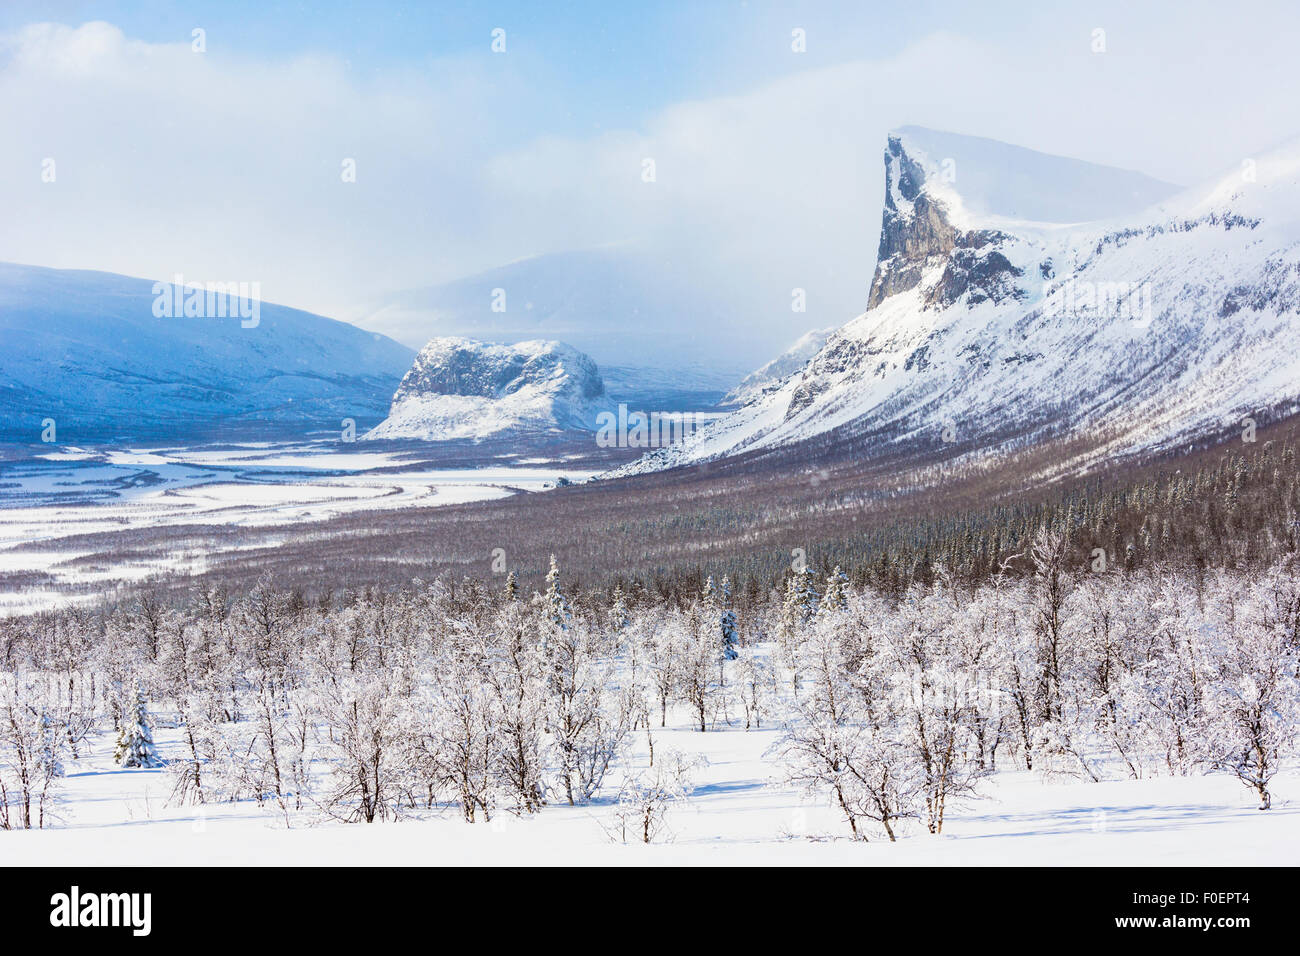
[226,164]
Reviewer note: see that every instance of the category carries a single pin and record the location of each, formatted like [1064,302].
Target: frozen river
[50,503]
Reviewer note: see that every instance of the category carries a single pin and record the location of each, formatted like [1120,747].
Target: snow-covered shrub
[641,812]
[31,749]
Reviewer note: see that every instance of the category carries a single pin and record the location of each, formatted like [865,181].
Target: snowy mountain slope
[778,370]
[1140,332]
[86,349]
[461,388]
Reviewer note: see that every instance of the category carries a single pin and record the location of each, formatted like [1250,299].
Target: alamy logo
[1074,297]
[208,300]
[641,430]
[74,909]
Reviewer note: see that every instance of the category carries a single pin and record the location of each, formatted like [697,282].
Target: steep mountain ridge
[985,333]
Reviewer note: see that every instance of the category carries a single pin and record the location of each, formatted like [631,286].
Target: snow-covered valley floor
[50,503]
[737,813]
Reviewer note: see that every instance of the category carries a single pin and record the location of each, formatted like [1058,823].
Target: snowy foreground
[737,813]
[1151,712]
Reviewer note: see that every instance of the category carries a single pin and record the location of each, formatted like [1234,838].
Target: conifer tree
[709,594]
[135,738]
[800,602]
[806,594]
[557,605]
[834,598]
[619,617]
[730,637]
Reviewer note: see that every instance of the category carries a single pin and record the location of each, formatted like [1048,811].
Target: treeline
[887,522]
[1240,510]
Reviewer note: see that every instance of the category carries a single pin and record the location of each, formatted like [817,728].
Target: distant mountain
[627,309]
[87,350]
[989,329]
[690,388]
[461,388]
[778,370]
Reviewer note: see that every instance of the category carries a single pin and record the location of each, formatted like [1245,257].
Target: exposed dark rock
[912,239]
[838,356]
[979,278]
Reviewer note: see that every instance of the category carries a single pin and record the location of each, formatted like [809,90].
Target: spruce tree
[792,616]
[619,617]
[709,593]
[135,739]
[557,606]
[730,637]
[805,594]
[834,598]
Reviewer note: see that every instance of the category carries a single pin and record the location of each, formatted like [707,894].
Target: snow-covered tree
[557,605]
[31,745]
[833,598]
[515,674]
[838,745]
[619,618]
[730,632]
[754,686]
[1254,700]
[917,660]
[588,722]
[697,670]
[641,812]
[135,737]
[802,598]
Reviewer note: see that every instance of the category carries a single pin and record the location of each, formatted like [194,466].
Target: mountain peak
[990,179]
[1128,335]
[951,200]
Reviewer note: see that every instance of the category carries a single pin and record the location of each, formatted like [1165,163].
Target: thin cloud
[222,167]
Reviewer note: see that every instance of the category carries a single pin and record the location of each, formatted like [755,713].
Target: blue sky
[599,62]
[226,165]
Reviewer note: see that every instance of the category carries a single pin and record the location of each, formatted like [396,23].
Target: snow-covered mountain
[992,328]
[659,321]
[461,388]
[87,350]
[778,370]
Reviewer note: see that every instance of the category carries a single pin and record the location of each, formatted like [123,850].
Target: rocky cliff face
[1134,333]
[462,388]
[918,236]
[460,366]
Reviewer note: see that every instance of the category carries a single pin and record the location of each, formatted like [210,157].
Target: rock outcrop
[461,388]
